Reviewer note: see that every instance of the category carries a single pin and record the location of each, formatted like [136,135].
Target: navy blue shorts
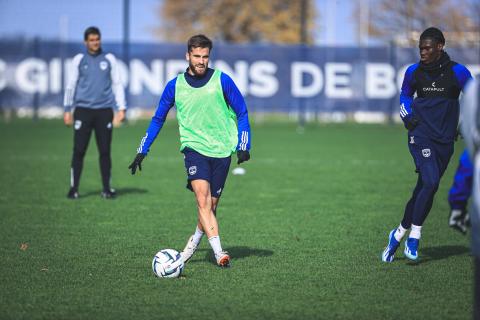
[214,170]
[429,155]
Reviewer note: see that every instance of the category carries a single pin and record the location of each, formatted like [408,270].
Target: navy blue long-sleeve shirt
[436,105]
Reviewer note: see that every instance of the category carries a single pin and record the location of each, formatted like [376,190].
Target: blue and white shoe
[392,246]
[411,248]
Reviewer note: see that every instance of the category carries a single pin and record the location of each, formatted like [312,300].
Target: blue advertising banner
[272,78]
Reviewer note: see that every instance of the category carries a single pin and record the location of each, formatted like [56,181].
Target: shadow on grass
[236,253]
[120,192]
[430,254]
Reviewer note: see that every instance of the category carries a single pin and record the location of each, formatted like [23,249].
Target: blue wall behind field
[272,78]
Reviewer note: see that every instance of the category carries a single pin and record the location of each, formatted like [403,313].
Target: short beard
[192,68]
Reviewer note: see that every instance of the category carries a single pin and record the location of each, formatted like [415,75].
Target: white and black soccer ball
[167,263]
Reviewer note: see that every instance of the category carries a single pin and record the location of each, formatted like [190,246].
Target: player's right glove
[137,162]
[411,122]
[243,155]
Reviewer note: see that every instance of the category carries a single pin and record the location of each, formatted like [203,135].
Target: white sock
[399,233]
[215,244]
[416,232]
[197,236]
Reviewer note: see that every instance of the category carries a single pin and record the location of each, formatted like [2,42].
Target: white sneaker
[223,259]
[189,250]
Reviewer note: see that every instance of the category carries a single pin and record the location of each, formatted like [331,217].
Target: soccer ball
[167,263]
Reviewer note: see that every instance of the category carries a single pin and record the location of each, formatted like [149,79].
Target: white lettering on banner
[337,80]
[297,87]
[380,81]
[55,75]
[262,74]
[174,67]
[257,78]
[141,76]
[239,73]
[31,75]
[3,75]
[400,76]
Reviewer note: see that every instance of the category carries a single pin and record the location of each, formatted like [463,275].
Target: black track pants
[86,120]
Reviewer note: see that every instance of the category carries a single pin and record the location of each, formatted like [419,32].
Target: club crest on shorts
[192,170]
[103,65]
[426,153]
[109,125]
[77,125]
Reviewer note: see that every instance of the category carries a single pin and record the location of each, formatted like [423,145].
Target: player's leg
[435,158]
[196,166]
[220,168]
[103,135]
[207,219]
[459,194]
[82,126]
[395,236]
[195,239]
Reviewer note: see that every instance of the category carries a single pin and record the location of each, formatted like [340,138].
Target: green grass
[305,227]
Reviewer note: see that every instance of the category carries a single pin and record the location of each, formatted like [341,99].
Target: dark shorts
[213,170]
[430,155]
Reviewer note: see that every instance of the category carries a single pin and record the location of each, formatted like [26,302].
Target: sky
[66,20]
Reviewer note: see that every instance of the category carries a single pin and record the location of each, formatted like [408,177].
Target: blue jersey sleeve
[407,92]
[462,74]
[235,100]
[166,102]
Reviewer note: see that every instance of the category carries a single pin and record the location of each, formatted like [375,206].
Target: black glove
[242,155]
[411,123]
[137,162]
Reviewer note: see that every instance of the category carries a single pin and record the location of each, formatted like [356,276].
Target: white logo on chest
[103,65]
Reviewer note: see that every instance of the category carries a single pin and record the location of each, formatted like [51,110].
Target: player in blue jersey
[93,89]
[213,123]
[431,119]
[459,194]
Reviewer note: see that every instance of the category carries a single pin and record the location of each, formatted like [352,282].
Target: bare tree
[237,21]
[403,20]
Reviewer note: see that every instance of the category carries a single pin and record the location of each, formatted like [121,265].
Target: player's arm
[117,89]
[462,74]
[235,100]
[72,80]
[406,98]
[166,102]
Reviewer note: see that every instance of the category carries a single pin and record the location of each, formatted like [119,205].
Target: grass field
[305,227]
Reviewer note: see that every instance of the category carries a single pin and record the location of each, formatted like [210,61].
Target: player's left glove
[411,122]
[243,155]
[137,162]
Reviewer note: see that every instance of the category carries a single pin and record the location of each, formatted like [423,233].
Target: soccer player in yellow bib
[213,123]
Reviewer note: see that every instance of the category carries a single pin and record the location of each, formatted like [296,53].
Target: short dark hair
[91,30]
[433,33]
[199,41]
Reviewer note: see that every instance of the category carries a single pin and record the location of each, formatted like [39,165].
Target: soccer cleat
[223,259]
[189,250]
[459,220]
[411,248]
[109,194]
[72,194]
[392,246]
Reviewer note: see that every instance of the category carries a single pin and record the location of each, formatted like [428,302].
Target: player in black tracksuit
[431,119]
